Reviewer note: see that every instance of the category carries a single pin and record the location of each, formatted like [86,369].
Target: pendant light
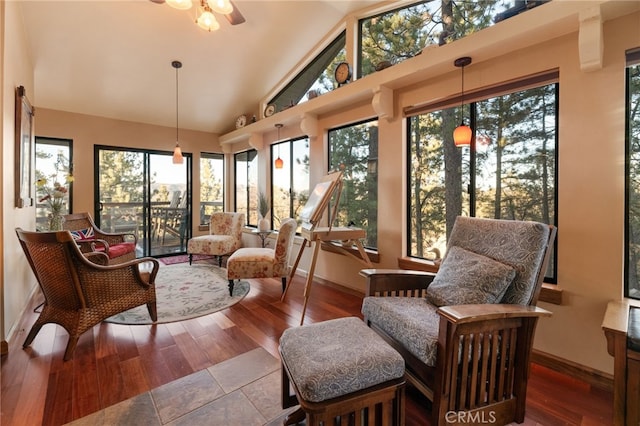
[462,134]
[206,20]
[177,152]
[223,7]
[279,163]
[180,4]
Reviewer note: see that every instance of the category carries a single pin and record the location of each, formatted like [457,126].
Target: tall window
[211,185]
[290,184]
[509,172]
[632,246]
[53,163]
[246,179]
[391,37]
[353,149]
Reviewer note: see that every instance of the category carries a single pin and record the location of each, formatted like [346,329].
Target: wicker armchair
[466,333]
[118,247]
[80,289]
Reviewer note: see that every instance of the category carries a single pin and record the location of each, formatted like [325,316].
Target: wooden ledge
[335,247]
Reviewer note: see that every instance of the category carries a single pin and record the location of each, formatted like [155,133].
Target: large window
[211,185]
[53,164]
[509,171]
[246,180]
[391,37]
[632,275]
[290,184]
[353,149]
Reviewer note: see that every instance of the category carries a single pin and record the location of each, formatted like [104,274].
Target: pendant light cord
[177,115]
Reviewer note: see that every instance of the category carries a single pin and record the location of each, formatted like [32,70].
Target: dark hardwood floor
[115,362]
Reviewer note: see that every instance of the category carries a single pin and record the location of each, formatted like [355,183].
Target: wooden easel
[324,191]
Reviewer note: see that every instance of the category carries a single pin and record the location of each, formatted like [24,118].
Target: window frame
[66,143]
[470,101]
[211,156]
[290,145]
[371,164]
[632,60]
[250,200]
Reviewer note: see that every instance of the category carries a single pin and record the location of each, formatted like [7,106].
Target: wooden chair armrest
[461,314]
[388,282]
[113,281]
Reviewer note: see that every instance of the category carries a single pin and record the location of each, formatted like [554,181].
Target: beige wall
[17,70]
[87,131]
[590,192]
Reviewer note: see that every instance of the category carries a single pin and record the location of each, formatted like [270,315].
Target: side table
[263,236]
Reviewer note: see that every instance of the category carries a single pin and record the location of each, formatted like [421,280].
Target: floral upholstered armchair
[257,262]
[225,237]
[466,332]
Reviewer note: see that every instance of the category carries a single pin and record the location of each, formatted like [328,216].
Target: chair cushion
[411,321]
[83,234]
[117,250]
[465,277]
[519,244]
[337,357]
[251,262]
[211,244]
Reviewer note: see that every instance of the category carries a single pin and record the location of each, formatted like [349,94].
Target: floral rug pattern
[186,291]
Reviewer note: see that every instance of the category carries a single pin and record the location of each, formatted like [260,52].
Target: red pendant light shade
[279,163]
[462,134]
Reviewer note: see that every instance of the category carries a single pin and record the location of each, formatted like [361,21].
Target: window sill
[337,248]
[549,293]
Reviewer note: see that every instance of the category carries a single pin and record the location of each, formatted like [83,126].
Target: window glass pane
[281,183]
[354,150]
[633,183]
[290,184]
[438,178]
[515,156]
[401,34]
[246,170]
[53,160]
[211,185]
[317,76]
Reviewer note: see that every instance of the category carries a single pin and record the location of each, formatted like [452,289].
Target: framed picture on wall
[25,147]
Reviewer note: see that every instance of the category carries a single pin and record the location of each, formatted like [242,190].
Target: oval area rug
[186,291]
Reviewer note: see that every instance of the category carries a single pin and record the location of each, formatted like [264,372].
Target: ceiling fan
[234,17]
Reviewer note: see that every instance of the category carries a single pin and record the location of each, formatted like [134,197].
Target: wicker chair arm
[395,282]
[97,257]
[461,314]
[100,283]
[113,238]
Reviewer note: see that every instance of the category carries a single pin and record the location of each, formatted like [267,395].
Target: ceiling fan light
[223,7]
[180,4]
[207,21]
[462,135]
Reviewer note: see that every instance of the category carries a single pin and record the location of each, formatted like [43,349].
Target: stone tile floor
[242,391]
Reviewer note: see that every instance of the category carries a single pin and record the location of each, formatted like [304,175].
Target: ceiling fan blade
[235,17]
[158,1]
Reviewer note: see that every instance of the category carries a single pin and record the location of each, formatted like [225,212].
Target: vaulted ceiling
[112,58]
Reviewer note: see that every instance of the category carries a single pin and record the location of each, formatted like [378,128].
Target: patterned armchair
[80,289]
[119,247]
[466,332]
[225,237]
[257,262]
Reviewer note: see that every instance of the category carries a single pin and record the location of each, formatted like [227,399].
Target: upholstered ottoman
[341,369]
